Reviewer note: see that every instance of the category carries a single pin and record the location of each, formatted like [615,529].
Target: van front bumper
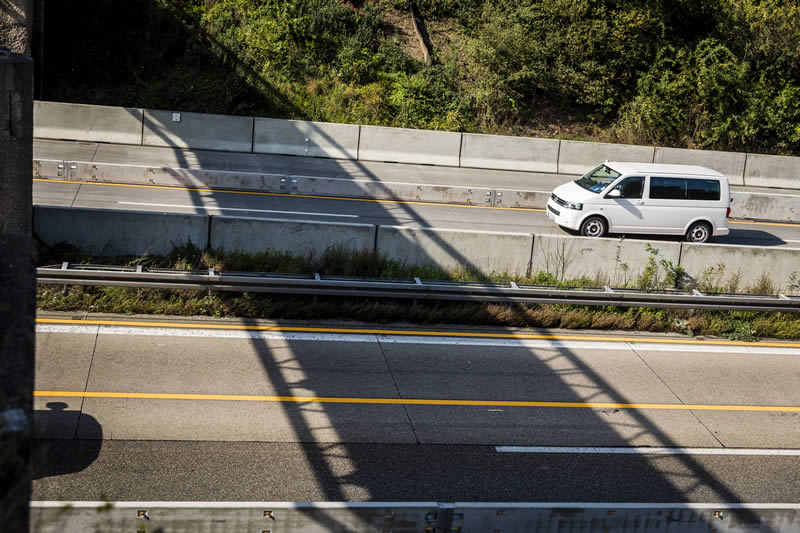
[563,216]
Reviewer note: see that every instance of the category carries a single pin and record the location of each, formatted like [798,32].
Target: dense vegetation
[721,74]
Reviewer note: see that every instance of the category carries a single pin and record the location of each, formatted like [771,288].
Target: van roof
[626,167]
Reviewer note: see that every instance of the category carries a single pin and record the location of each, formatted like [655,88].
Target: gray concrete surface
[578,157]
[88,123]
[402,145]
[453,149]
[618,261]
[747,265]
[257,174]
[106,232]
[729,163]
[747,205]
[197,130]
[554,250]
[509,153]
[772,171]
[321,452]
[456,249]
[305,138]
[330,366]
[255,235]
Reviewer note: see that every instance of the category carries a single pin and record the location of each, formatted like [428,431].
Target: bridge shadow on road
[366,451]
[361,451]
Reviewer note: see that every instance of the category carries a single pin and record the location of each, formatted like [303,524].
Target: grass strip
[733,325]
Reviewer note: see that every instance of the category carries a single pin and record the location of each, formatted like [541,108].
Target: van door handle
[640,202]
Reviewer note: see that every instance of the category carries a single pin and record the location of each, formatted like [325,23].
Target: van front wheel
[594,227]
[698,232]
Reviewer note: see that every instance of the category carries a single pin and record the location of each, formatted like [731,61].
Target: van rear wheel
[698,232]
[594,227]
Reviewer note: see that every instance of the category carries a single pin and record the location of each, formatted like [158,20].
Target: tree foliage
[721,74]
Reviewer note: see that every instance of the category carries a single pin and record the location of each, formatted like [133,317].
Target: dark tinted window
[703,190]
[668,188]
[631,187]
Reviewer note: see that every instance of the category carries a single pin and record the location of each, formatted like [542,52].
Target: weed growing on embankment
[734,325]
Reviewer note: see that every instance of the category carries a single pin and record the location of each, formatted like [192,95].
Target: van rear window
[684,189]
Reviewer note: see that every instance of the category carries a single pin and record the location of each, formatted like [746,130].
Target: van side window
[631,187]
[684,189]
[703,190]
[668,188]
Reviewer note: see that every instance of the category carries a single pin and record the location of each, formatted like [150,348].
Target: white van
[618,197]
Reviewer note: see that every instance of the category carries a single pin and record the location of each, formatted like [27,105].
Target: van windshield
[597,179]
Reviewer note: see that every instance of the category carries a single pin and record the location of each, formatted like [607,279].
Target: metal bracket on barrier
[494,198]
[71,169]
[289,185]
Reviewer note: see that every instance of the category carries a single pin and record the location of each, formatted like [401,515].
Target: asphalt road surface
[416,214]
[157,409]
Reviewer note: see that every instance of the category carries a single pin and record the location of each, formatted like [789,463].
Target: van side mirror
[614,193]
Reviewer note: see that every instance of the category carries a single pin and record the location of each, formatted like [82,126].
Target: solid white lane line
[404,339]
[767,194]
[646,450]
[207,208]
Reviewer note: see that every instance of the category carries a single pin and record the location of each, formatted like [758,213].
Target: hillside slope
[720,74]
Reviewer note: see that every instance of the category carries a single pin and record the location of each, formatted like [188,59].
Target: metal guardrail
[416,289]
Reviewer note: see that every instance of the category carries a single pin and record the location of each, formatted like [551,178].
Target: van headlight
[573,205]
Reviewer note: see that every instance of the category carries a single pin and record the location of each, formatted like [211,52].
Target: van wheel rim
[699,234]
[594,228]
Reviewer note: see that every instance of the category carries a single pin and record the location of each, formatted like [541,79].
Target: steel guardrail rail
[318,285]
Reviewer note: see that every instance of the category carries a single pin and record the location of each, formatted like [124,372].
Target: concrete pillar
[17,289]
[16,25]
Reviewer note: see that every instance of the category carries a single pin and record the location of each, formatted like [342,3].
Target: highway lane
[268,205]
[194,410]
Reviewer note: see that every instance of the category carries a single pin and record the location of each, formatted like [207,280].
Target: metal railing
[416,289]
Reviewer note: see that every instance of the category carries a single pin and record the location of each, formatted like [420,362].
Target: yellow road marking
[753,223]
[254,193]
[410,401]
[419,333]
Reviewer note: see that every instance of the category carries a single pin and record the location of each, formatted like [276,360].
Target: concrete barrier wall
[176,177]
[198,130]
[106,232]
[387,190]
[451,249]
[747,263]
[232,234]
[619,261]
[399,145]
[577,157]
[303,138]
[765,206]
[509,153]
[90,123]
[729,163]
[772,171]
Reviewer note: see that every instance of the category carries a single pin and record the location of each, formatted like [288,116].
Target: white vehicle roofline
[689,171]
